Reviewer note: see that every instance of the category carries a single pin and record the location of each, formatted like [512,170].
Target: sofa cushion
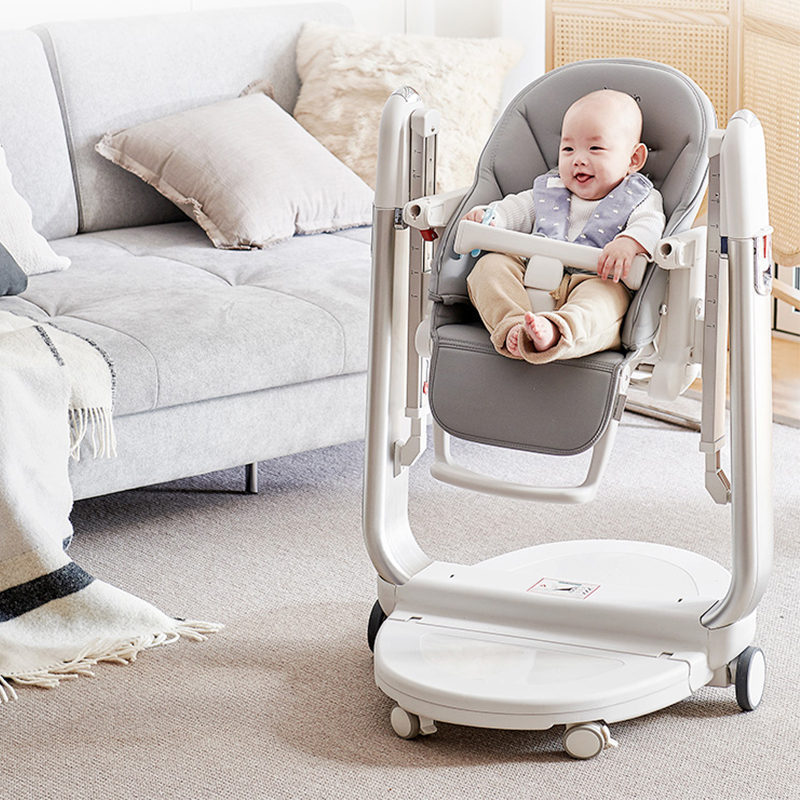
[32,135]
[109,79]
[29,248]
[244,170]
[183,322]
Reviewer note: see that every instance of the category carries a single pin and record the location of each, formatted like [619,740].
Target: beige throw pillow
[244,170]
[347,76]
[29,249]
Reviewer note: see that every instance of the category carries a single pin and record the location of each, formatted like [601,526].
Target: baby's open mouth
[583,177]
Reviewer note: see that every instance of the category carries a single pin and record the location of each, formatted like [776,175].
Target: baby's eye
[596,148]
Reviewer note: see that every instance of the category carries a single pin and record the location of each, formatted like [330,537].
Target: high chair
[574,633]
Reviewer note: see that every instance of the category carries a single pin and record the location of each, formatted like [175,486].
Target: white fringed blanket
[56,620]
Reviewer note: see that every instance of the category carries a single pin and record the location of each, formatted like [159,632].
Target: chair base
[559,634]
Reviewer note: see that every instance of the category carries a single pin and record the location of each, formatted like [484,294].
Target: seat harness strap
[552,201]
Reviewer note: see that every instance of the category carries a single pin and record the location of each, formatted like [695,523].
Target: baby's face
[596,149]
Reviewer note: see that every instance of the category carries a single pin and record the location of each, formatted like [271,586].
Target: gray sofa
[222,357]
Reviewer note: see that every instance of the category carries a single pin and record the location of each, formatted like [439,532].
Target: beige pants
[589,310]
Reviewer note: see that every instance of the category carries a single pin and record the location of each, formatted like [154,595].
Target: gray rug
[281,704]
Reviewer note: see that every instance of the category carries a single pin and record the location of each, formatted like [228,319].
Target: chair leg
[251,478]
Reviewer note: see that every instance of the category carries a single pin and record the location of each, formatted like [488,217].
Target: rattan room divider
[743,53]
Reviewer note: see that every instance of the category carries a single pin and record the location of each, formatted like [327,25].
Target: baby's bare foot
[544,334]
[512,340]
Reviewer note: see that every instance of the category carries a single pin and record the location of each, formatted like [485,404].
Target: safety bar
[475,236]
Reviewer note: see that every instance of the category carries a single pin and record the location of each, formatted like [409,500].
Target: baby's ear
[638,157]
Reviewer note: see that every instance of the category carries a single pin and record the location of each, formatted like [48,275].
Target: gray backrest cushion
[112,74]
[678,118]
[32,135]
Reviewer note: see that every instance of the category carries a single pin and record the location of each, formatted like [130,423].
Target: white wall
[523,20]
[519,19]
[382,16]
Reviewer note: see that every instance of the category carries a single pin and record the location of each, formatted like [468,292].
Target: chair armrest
[433,211]
[682,251]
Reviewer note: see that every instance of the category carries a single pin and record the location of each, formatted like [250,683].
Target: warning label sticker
[554,586]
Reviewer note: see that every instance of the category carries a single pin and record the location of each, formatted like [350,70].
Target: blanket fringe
[104,651]
[98,423]
[7,693]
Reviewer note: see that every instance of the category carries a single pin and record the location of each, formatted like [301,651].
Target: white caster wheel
[587,739]
[408,726]
[404,724]
[750,674]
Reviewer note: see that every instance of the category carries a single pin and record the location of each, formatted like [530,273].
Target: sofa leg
[251,478]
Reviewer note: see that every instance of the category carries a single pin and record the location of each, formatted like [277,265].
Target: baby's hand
[476,215]
[617,256]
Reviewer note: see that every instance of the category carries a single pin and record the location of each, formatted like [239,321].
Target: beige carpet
[281,704]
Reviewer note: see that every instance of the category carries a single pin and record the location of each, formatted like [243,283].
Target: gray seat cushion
[183,322]
[480,396]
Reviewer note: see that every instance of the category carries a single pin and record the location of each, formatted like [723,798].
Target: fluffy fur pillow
[347,76]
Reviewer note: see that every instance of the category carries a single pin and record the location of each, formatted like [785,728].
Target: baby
[598,197]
